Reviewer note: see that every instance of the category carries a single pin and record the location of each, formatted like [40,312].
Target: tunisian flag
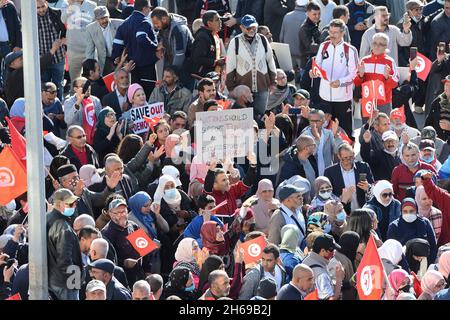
[89,119]
[371,91]
[423,66]
[13,178]
[318,71]
[370,273]
[399,113]
[18,142]
[152,122]
[253,249]
[109,82]
[313,295]
[141,242]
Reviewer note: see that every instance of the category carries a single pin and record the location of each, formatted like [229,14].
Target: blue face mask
[427,160]
[171,193]
[327,228]
[68,212]
[341,216]
[191,288]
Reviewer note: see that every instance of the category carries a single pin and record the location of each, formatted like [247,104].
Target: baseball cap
[427,144]
[428,132]
[173,172]
[249,21]
[326,242]
[214,76]
[287,190]
[117,203]
[389,135]
[95,285]
[64,195]
[10,57]
[101,12]
[103,264]
[267,288]
[303,93]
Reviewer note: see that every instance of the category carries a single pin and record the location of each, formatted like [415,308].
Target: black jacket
[435,116]
[335,175]
[253,7]
[419,31]
[103,146]
[116,291]
[91,155]
[55,18]
[124,187]
[12,22]
[274,12]
[379,161]
[309,40]
[111,100]
[63,249]
[203,52]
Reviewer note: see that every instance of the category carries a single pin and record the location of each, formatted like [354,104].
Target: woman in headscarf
[410,226]
[417,252]
[444,267]
[150,220]
[432,282]
[181,284]
[174,156]
[290,253]
[90,175]
[107,133]
[425,209]
[178,210]
[17,114]
[323,192]
[387,208]
[263,205]
[186,256]
[400,281]
[349,243]
[318,221]
[391,253]
[281,94]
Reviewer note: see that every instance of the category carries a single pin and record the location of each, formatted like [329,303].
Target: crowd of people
[330,188]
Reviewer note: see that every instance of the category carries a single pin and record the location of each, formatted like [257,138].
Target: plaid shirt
[48,35]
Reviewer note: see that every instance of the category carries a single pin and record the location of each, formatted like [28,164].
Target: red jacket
[441,199]
[403,178]
[236,191]
[374,70]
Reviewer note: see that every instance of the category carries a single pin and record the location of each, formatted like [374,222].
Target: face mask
[392,153]
[191,288]
[416,19]
[171,193]
[96,178]
[409,217]
[341,216]
[68,212]
[177,150]
[330,255]
[400,126]
[11,206]
[327,228]
[428,159]
[414,165]
[325,195]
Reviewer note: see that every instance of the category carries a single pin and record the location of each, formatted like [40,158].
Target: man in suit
[100,35]
[347,178]
[118,99]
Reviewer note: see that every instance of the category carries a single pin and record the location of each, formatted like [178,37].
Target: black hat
[303,93]
[65,170]
[267,288]
[326,242]
[103,264]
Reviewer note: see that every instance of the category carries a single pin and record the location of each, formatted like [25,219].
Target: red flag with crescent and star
[141,242]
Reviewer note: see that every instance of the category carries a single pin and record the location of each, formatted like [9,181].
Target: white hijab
[391,250]
[159,194]
[379,187]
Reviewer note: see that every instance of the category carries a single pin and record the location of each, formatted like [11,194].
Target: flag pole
[35,157]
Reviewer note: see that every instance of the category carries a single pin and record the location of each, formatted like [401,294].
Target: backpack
[326,44]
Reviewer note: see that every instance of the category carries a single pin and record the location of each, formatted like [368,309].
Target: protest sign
[283,54]
[224,134]
[150,111]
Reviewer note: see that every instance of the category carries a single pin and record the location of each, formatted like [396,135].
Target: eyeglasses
[387,195]
[79,137]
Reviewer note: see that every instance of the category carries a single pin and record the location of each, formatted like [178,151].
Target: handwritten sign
[224,134]
[149,110]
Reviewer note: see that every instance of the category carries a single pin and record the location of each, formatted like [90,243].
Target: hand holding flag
[253,249]
[141,242]
[152,122]
[317,71]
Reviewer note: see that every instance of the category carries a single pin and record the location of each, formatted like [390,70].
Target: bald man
[141,290]
[82,221]
[302,283]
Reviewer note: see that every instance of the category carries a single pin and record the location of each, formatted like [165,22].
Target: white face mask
[11,206]
[409,217]
[325,195]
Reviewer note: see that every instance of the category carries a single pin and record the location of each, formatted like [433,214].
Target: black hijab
[419,248]
[211,263]
[349,242]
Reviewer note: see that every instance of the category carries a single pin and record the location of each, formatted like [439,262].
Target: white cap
[173,172]
[389,135]
[95,285]
[301,2]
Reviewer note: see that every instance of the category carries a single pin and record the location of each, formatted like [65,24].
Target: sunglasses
[79,137]
[387,195]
